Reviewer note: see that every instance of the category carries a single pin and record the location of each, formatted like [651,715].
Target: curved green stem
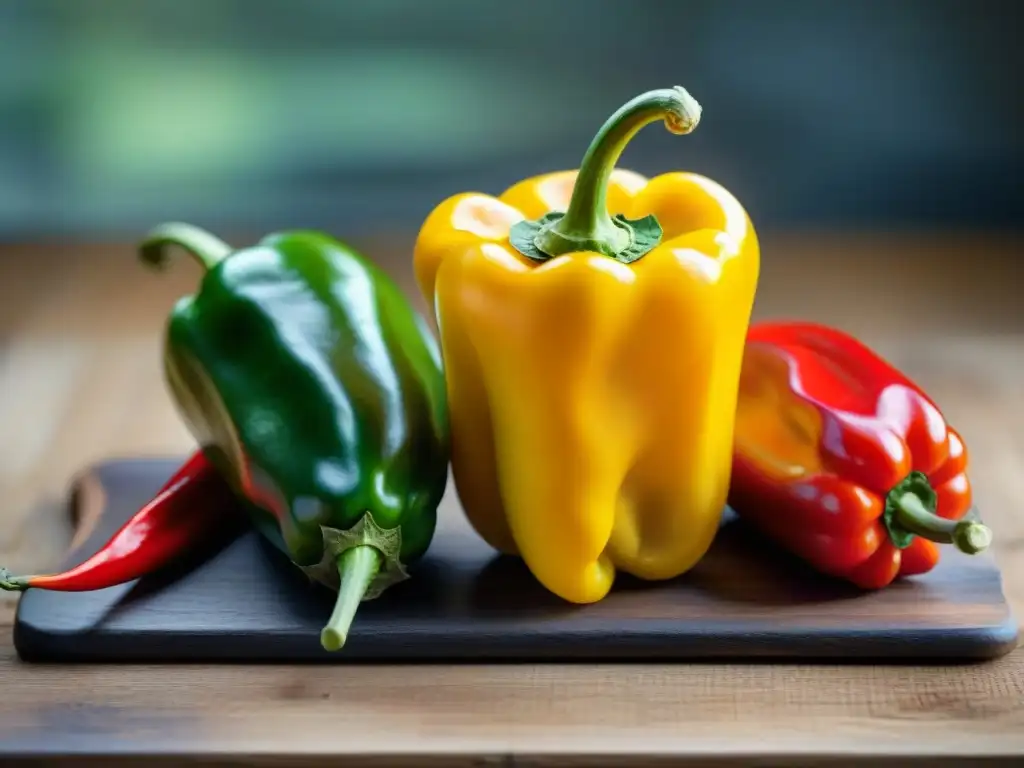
[968,536]
[586,224]
[587,214]
[357,567]
[207,249]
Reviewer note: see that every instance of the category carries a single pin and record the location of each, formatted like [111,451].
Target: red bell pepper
[844,461]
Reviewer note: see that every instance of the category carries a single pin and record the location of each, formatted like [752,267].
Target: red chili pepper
[843,460]
[183,512]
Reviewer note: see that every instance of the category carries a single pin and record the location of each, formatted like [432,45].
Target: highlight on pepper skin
[774,428]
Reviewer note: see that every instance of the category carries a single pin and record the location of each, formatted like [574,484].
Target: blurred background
[359,116]
[875,143]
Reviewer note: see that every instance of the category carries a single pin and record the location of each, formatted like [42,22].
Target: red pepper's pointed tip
[972,537]
[9,583]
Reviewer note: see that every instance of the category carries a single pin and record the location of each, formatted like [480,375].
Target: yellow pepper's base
[647,541]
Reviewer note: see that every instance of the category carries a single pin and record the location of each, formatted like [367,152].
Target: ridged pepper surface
[592,326]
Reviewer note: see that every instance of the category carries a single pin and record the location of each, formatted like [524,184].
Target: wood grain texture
[528,712]
[243,601]
[80,382]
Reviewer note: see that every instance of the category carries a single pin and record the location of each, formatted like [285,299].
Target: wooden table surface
[79,367]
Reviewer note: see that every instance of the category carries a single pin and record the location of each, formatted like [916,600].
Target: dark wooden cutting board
[242,600]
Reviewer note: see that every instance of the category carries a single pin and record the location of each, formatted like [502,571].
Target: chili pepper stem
[207,249]
[969,536]
[55,582]
[9,583]
[586,225]
[357,567]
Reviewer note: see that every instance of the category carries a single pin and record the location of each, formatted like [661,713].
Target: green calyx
[387,541]
[910,511]
[360,563]
[586,224]
[207,249]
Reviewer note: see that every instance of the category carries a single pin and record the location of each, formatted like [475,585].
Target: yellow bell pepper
[593,358]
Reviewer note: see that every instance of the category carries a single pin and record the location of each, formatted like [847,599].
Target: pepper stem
[969,536]
[357,566]
[586,224]
[207,249]
[9,583]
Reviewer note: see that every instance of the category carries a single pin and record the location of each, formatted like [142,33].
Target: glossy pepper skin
[592,362]
[314,386]
[845,461]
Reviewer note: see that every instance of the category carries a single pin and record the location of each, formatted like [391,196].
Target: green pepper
[317,390]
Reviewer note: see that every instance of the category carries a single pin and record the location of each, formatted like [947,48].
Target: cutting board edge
[86,500]
[711,644]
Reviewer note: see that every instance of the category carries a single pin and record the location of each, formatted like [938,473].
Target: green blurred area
[137,105]
[360,115]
